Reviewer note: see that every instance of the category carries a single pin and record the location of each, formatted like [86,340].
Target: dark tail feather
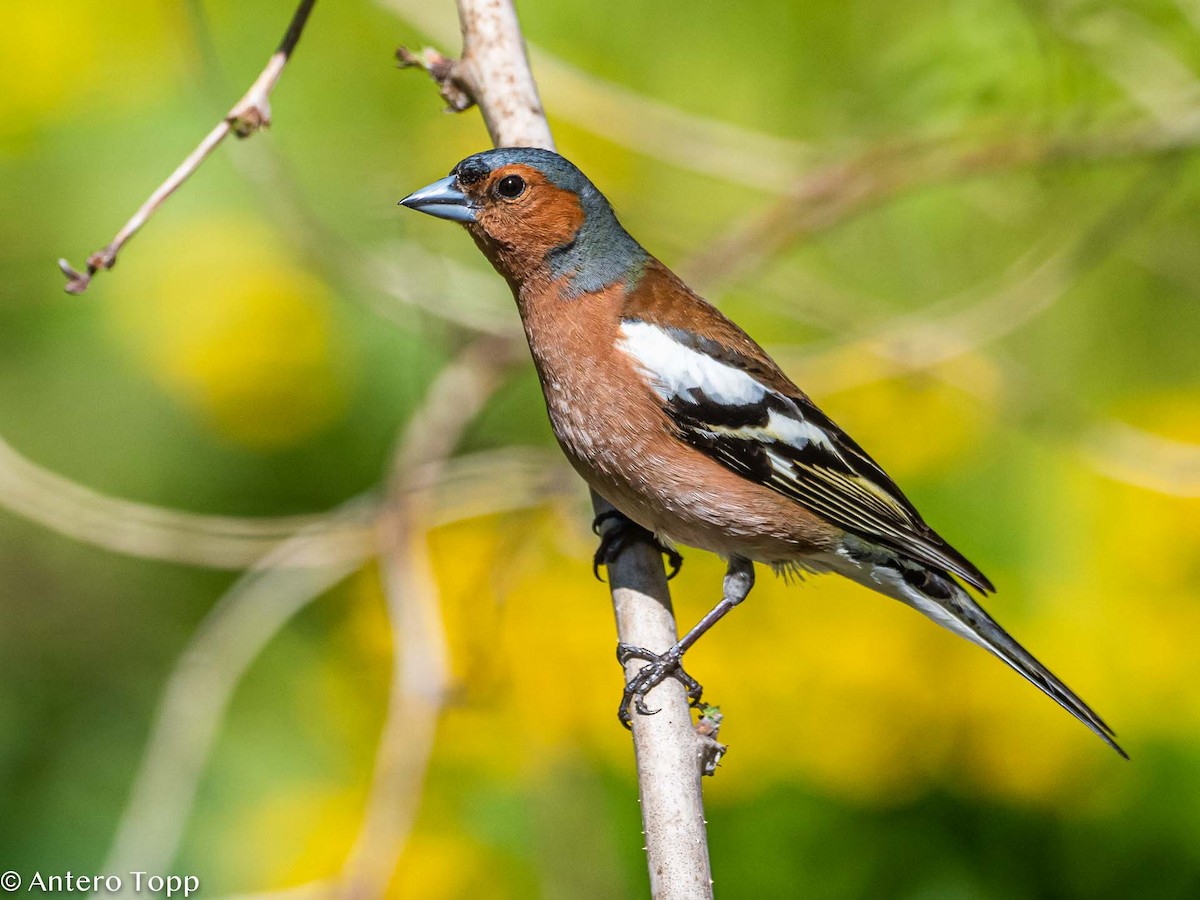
[988,634]
[942,599]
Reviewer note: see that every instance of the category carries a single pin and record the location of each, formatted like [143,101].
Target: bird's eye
[510,187]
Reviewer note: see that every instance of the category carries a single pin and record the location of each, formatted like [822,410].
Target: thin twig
[249,616]
[831,194]
[1128,47]
[246,117]
[472,484]
[443,287]
[921,341]
[257,607]
[154,532]
[1137,457]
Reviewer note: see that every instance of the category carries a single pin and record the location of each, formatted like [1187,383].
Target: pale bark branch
[625,117]
[247,116]
[671,756]
[482,483]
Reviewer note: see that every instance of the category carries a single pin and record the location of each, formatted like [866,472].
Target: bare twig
[247,116]
[443,71]
[921,341]
[489,482]
[1129,48]
[442,287]
[671,756]
[473,484]
[253,611]
[154,532]
[1137,457]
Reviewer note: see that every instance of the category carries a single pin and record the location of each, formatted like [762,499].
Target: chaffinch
[682,422]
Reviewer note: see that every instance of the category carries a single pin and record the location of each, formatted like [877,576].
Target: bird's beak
[442,199]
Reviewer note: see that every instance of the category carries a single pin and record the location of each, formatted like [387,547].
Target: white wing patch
[674,370]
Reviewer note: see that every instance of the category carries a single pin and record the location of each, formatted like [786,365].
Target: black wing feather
[834,477]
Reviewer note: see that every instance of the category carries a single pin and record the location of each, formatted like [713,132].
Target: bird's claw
[660,667]
[615,537]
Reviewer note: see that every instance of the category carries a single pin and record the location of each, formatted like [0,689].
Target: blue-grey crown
[560,171]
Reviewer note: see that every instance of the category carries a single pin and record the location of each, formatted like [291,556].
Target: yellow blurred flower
[295,836]
[447,867]
[233,330]
[822,681]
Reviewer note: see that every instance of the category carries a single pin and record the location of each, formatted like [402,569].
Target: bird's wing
[738,410]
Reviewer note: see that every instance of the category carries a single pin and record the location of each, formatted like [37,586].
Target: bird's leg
[614,538]
[739,579]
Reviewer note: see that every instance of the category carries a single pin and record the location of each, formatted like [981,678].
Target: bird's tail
[942,599]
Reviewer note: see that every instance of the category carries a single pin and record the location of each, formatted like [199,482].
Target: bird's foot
[661,666]
[624,530]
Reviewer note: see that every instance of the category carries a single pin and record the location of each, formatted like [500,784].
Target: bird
[677,417]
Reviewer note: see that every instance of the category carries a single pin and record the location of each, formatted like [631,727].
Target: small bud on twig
[444,72]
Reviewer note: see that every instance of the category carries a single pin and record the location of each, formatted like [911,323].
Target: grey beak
[442,199]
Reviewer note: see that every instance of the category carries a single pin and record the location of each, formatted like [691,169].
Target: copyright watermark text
[68,882]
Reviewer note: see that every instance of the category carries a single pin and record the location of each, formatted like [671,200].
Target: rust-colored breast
[616,434]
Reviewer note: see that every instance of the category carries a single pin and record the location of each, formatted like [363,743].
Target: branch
[923,340]
[246,117]
[154,532]
[627,118]
[830,194]
[494,70]
[463,296]
[482,483]
[671,756]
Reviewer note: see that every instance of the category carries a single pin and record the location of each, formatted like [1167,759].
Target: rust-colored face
[537,218]
[520,215]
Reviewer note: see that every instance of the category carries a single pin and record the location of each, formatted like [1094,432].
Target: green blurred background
[969,229]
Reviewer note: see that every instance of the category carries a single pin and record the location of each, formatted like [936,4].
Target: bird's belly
[678,492]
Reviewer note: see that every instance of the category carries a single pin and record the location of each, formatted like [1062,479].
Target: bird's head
[535,216]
